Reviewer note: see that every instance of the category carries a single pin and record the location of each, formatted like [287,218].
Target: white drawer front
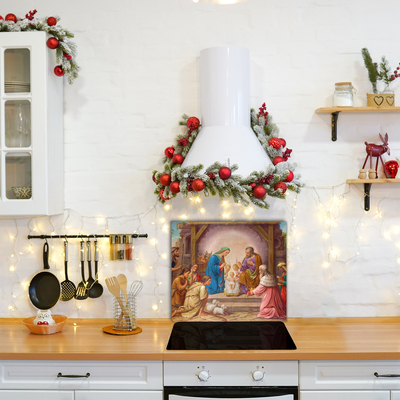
[35,395]
[237,373]
[348,375]
[123,375]
[118,395]
[345,395]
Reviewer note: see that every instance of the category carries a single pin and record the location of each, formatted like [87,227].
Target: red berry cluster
[189,184]
[30,15]
[183,142]
[396,73]
[265,179]
[263,113]
[211,176]
[286,154]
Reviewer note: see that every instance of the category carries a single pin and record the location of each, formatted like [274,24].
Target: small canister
[120,247]
[343,95]
[128,247]
[113,247]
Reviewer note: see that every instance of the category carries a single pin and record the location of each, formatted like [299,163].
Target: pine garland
[237,187]
[65,47]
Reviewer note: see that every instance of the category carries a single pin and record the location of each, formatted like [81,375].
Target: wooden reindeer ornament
[376,150]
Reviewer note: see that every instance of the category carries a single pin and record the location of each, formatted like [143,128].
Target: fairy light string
[329,201]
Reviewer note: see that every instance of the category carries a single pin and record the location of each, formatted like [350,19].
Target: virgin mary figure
[215,269]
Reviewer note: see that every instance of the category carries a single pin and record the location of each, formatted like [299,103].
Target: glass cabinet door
[16,130]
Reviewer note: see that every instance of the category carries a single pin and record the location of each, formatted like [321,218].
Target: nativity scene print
[234,271]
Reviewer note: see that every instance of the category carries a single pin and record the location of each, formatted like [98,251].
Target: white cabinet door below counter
[345,395]
[36,395]
[118,395]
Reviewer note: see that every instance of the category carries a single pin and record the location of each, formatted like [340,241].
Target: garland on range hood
[218,178]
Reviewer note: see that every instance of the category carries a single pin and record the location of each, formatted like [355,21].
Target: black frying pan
[45,288]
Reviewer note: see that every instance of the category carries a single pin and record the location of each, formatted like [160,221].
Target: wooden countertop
[315,338]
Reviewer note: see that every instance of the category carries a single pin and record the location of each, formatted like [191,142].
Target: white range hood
[226,135]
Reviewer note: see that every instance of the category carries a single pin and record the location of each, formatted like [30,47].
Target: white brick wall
[139,74]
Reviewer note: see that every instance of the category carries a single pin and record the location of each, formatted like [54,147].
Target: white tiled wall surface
[139,74]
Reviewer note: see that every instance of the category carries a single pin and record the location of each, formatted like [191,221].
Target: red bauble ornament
[58,70]
[1,18]
[277,160]
[162,196]
[169,151]
[275,143]
[225,173]
[154,179]
[391,168]
[281,185]
[67,56]
[51,21]
[259,192]
[52,43]
[193,123]
[165,179]
[11,17]
[283,142]
[198,185]
[174,187]
[253,185]
[177,159]
[289,177]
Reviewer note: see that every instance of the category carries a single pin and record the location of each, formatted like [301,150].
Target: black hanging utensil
[44,289]
[90,281]
[81,290]
[68,288]
[97,289]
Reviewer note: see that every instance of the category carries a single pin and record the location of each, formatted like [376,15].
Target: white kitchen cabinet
[92,380]
[31,127]
[35,395]
[345,395]
[345,380]
[118,395]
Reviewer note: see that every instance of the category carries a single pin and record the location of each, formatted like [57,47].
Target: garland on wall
[218,178]
[60,40]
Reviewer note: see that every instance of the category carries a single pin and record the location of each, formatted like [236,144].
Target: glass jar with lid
[343,95]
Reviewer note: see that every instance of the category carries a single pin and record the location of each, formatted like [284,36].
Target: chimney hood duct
[226,135]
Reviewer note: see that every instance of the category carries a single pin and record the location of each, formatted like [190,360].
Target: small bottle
[113,247]
[120,247]
[343,95]
[128,247]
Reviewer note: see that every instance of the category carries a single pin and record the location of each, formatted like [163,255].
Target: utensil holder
[125,317]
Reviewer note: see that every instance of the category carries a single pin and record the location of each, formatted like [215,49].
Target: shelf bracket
[335,117]
[367,190]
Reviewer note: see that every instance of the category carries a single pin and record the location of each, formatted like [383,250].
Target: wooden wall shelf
[335,111]
[367,187]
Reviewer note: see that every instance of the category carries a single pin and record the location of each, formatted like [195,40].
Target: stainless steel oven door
[231,393]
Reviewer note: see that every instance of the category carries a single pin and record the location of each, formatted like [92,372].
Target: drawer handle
[386,376]
[60,375]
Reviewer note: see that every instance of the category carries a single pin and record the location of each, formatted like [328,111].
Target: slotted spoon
[68,288]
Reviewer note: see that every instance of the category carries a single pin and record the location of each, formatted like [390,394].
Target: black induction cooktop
[257,335]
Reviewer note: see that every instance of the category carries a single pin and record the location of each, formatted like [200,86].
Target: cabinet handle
[60,375]
[386,376]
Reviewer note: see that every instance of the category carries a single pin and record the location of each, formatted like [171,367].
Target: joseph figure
[249,278]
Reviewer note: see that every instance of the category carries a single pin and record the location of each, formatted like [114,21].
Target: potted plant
[377,73]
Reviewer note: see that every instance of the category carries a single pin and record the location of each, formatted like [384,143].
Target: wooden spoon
[123,284]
